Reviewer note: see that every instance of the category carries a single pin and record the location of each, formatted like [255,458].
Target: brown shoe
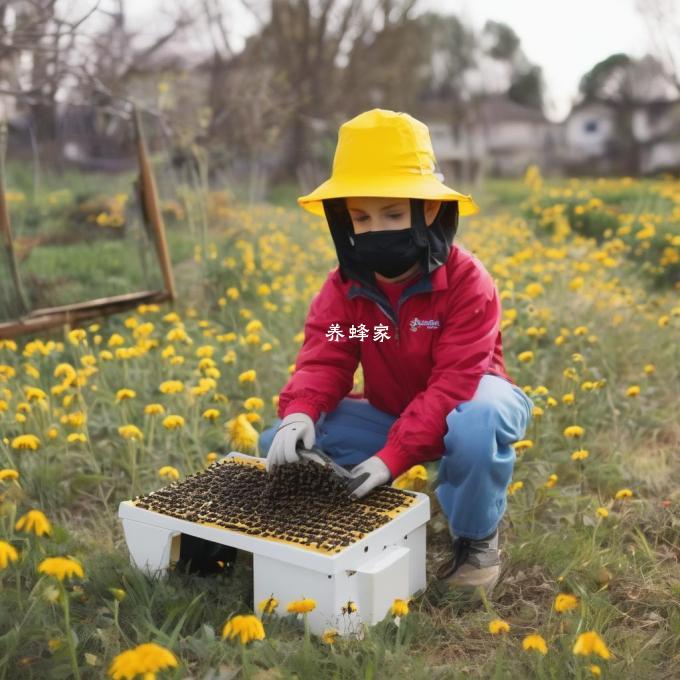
[473,563]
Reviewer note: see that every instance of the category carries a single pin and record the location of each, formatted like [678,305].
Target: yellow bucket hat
[387,154]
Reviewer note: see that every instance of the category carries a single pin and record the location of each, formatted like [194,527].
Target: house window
[591,126]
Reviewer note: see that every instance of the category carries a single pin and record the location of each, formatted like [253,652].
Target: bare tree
[309,41]
[663,23]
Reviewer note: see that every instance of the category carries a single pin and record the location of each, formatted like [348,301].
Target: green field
[588,273]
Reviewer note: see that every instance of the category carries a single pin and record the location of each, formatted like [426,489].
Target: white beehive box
[385,564]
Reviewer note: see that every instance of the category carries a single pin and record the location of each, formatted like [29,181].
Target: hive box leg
[150,547]
[382,580]
[416,543]
[288,582]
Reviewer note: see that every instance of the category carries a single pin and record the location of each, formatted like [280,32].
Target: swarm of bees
[300,503]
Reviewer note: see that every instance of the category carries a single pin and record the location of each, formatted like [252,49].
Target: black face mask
[389,252]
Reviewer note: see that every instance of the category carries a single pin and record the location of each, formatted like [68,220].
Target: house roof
[497,108]
[655,108]
[494,109]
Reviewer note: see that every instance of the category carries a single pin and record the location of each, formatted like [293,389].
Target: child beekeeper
[422,315]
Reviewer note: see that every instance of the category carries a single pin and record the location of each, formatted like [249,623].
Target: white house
[494,135]
[656,126]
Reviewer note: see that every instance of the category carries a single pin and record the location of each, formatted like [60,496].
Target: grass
[244,292]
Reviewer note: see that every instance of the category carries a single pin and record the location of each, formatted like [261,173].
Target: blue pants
[477,461]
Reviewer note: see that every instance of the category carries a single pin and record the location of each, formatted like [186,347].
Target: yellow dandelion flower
[168,472]
[8,474]
[602,512]
[241,433]
[595,670]
[570,373]
[154,409]
[525,357]
[573,431]
[581,454]
[53,644]
[269,605]
[61,567]
[34,394]
[246,627]
[414,478]
[329,636]
[52,433]
[7,372]
[591,643]
[130,432]
[633,391]
[76,437]
[303,606]
[623,493]
[551,402]
[533,290]
[649,369]
[26,441]
[76,336]
[663,321]
[173,422]
[568,398]
[124,394]
[515,486]
[211,414]
[171,387]
[565,602]
[537,411]
[34,521]
[497,626]
[118,593]
[253,403]
[116,340]
[522,445]
[146,660]
[247,376]
[399,607]
[211,458]
[8,553]
[552,480]
[536,642]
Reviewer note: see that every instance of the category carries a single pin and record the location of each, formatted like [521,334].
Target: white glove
[366,476]
[293,428]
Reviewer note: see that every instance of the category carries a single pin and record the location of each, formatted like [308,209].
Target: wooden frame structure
[41,319]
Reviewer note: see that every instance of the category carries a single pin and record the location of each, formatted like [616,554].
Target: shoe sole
[486,578]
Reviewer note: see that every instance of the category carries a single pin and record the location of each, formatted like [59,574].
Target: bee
[349,608]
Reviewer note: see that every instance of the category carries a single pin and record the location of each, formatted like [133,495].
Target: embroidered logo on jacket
[416,323]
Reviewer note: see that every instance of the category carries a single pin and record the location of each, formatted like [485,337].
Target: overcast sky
[565,37]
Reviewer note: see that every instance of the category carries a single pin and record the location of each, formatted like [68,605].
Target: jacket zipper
[367,294]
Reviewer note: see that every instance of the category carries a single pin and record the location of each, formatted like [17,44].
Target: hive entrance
[301,504]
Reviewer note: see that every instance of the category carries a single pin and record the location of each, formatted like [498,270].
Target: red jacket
[447,337]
